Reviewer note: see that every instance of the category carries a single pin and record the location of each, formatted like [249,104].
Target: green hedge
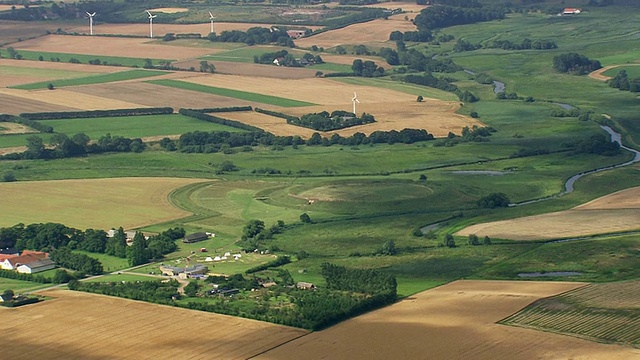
[277,114]
[16,303]
[223,109]
[281,260]
[26,122]
[96,113]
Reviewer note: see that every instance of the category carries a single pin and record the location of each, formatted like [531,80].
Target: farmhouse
[31,256]
[571,11]
[195,237]
[36,266]
[9,251]
[305,286]
[295,34]
[197,269]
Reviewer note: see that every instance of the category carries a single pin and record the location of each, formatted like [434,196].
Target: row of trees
[323,121]
[623,82]
[575,64]
[366,68]
[442,84]
[82,263]
[441,16]
[254,35]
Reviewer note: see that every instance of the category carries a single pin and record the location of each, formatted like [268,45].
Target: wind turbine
[91,22]
[151,23]
[211,17]
[355,100]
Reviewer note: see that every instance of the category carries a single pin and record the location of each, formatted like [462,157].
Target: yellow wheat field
[76,325]
[619,211]
[454,321]
[91,203]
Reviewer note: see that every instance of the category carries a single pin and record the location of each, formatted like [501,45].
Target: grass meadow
[93,79]
[65,57]
[242,95]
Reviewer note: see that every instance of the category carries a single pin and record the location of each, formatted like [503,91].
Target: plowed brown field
[619,211]
[85,326]
[454,321]
[374,33]
[15,105]
[91,203]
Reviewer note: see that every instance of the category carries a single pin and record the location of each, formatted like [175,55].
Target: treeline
[526,44]
[473,134]
[96,113]
[152,291]
[442,16]
[254,35]
[279,261]
[442,84]
[366,68]
[211,142]
[223,109]
[283,58]
[417,61]
[10,274]
[338,119]
[77,145]
[82,263]
[623,82]
[154,247]
[366,281]
[275,114]
[575,64]
[413,36]
[218,120]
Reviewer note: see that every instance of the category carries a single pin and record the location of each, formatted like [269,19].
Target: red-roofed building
[14,262]
[571,11]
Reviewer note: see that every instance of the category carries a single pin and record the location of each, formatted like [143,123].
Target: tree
[8,294]
[50,86]
[389,248]
[487,240]
[493,201]
[423,177]
[420,98]
[252,229]
[61,276]
[35,147]
[305,218]
[473,240]
[191,289]
[449,241]
[302,255]
[8,177]
[117,245]
[137,252]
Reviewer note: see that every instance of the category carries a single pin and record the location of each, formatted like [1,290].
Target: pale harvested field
[320,91]
[410,7]
[169,10]
[110,46]
[160,30]
[18,72]
[48,65]
[454,321]
[91,203]
[15,128]
[252,70]
[375,32]
[85,326]
[156,95]
[12,31]
[393,110]
[15,105]
[272,124]
[619,211]
[67,98]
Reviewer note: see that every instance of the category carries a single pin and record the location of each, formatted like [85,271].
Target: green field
[19,286]
[93,79]
[632,71]
[242,95]
[84,59]
[246,54]
[35,72]
[136,126]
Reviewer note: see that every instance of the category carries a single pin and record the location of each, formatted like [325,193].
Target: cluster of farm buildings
[25,261]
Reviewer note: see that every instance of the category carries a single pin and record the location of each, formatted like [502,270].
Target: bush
[494,200]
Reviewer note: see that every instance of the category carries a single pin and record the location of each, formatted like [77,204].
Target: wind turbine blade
[88,14]
[148,12]
[94,14]
[210,15]
[356,99]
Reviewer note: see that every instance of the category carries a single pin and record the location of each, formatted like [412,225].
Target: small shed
[195,237]
[305,286]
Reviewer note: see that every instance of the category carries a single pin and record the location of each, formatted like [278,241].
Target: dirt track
[598,74]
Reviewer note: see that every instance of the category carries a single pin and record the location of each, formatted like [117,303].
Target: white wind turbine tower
[151,23]
[91,22]
[211,17]
[355,100]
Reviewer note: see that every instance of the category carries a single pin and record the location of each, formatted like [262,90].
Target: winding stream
[568,185]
